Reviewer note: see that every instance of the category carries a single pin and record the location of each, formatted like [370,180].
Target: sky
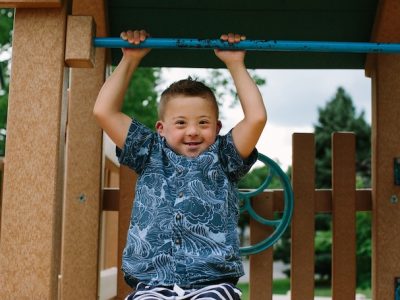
[292,99]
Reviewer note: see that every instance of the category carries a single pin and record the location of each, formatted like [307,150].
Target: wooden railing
[342,201]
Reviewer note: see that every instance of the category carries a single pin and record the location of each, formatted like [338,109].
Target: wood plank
[343,216]
[127,191]
[82,207]
[83,185]
[261,271]
[323,200]
[302,246]
[109,238]
[111,199]
[386,29]
[33,177]
[31,3]
[79,51]
[385,147]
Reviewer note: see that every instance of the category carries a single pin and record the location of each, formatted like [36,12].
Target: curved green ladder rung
[279,225]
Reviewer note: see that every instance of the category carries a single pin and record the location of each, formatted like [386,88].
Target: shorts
[222,291]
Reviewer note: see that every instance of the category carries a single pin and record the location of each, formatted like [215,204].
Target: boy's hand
[135,37]
[231,56]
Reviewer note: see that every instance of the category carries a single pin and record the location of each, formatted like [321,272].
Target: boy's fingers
[143,35]
[136,37]
[224,37]
[129,35]
[231,37]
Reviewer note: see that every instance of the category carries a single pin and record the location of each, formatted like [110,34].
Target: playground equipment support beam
[258,45]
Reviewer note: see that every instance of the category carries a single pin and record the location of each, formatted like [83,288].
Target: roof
[303,20]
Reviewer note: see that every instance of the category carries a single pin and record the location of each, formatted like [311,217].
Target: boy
[182,241]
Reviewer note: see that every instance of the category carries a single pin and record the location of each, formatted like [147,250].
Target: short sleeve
[137,147]
[233,164]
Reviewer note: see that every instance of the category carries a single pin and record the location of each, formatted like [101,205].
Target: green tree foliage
[221,83]
[339,114]
[141,97]
[6,25]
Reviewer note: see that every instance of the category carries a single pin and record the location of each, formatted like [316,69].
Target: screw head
[394,199]
[82,198]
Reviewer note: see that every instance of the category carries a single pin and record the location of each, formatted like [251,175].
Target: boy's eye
[180,122]
[203,122]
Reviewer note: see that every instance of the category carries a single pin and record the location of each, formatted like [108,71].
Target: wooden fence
[342,201]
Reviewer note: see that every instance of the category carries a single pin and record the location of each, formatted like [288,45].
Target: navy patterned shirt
[183,228]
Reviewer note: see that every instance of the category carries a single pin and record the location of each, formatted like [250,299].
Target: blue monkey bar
[260,45]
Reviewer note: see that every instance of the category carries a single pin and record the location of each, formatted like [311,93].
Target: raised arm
[107,108]
[247,132]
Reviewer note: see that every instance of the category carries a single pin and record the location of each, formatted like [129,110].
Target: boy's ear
[159,127]
[219,126]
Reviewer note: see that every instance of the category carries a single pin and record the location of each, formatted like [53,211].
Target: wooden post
[261,263]
[127,181]
[32,201]
[343,216]
[385,147]
[302,246]
[384,71]
[82,207]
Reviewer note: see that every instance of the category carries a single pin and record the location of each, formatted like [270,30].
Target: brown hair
[186,87]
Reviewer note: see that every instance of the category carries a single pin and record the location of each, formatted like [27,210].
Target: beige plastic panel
[32,200]
[82,207]
[79,52]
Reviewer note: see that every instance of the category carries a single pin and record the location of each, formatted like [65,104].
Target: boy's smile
[189,124]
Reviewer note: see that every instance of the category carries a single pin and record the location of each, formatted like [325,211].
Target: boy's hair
[186,87]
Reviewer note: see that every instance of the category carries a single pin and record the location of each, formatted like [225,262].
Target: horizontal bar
[260,45]
[323,200]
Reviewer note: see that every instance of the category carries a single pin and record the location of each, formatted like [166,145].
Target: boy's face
[189,124]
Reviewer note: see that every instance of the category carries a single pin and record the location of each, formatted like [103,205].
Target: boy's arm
[107,108]
[247,132]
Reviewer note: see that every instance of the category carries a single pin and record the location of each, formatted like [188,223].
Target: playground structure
[52,240]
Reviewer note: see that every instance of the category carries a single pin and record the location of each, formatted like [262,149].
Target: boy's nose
[192,130]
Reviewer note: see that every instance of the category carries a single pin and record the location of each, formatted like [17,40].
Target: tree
[339,114]
[141,97]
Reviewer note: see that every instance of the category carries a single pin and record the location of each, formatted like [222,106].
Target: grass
[282,286]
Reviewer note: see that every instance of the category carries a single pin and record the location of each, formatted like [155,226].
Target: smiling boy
[182,240]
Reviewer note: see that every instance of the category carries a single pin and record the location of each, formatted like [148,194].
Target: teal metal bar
[260,45]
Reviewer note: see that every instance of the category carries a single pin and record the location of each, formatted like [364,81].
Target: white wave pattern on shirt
[188,238]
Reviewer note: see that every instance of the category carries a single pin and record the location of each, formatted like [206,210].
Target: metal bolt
[82,198]
[394,199]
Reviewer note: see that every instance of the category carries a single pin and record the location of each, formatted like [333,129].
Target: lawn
[282,286]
